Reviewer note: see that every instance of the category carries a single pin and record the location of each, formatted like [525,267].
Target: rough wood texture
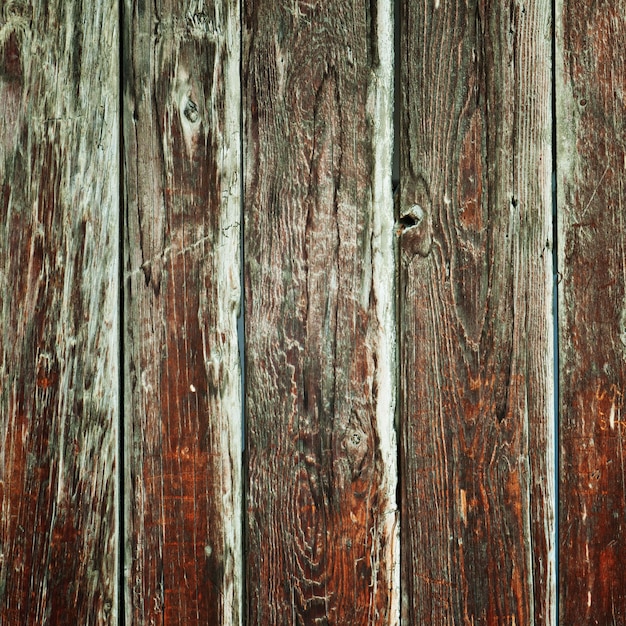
[182,395]
[591,90]
[59,312]
[321,480]
[475,302]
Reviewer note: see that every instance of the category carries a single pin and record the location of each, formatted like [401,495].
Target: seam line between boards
[121,477]
[555,315]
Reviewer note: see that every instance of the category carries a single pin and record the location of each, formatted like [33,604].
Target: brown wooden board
[476,374]
[181,298]
[321,540]
[591,158]
[59,312]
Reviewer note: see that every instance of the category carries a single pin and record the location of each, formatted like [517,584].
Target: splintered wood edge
[380,110]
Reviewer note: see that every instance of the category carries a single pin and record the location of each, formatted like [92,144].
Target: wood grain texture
[321,543]
[59,312]
[475,301]
[181,289]
[591,158]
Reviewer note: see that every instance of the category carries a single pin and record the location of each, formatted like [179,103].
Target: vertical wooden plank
[59,312]
[319,313]
[591,159]
[182,389]
[475,303]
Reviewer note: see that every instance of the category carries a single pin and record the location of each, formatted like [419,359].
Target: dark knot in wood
[191,111]
[415,232]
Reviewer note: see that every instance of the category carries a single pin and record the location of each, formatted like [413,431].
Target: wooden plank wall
[321,518]
[591,160]
[476,377]
[438,316]
[59,247]
[181,295]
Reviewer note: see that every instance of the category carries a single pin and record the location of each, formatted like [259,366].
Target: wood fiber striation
[591,81]
[181,287]
[59,313]
[319,408]
[474,234]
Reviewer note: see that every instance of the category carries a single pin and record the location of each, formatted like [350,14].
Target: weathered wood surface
[321,518]
[591,149]
[59,312]
[475,303]
[181,294]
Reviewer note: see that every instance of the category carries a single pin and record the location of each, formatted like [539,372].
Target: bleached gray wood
[59,200]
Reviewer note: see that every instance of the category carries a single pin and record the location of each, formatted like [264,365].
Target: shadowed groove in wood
[58,306]
[475,331]
[319,313]
[181,288]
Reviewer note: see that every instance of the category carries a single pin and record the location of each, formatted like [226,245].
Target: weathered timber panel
[59,312]
[321,518]
[181,294]
[591,159]
[475,303]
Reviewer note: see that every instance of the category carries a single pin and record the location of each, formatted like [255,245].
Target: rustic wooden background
[249,374]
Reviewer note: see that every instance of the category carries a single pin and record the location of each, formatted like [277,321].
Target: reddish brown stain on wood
[317,531]
[58,310]
[181,298]
[476,375]
[591,77]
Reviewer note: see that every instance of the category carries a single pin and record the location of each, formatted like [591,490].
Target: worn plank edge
[381,105]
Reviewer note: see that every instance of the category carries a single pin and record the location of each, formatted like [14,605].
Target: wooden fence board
[475,303]
[321,543]
[591,149]
[476,357]
[59,312]
[183,401]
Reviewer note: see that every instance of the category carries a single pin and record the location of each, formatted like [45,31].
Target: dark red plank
[182,396]
[591,87]
[475,301]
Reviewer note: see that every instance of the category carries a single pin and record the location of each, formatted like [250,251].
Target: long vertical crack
[121,599]
[395,181]
[555,314]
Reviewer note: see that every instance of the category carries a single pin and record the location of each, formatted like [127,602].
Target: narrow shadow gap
[241,332]
[555,314]
[395,181]
[121,476]
[397,97]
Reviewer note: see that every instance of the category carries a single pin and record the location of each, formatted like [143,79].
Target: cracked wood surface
[181,287]
[59,312]
[475,303]
[321,539]
[591,149]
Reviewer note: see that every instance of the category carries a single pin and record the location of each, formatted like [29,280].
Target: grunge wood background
[271,354]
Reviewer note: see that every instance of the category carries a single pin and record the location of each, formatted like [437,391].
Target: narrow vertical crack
[397,97]
[555,312]
[241,330]
[121,599]
[395,181]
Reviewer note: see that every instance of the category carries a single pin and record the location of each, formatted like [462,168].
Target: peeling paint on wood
[59,312]
[183,423]
[591,149]
[321,525]
[476,375]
